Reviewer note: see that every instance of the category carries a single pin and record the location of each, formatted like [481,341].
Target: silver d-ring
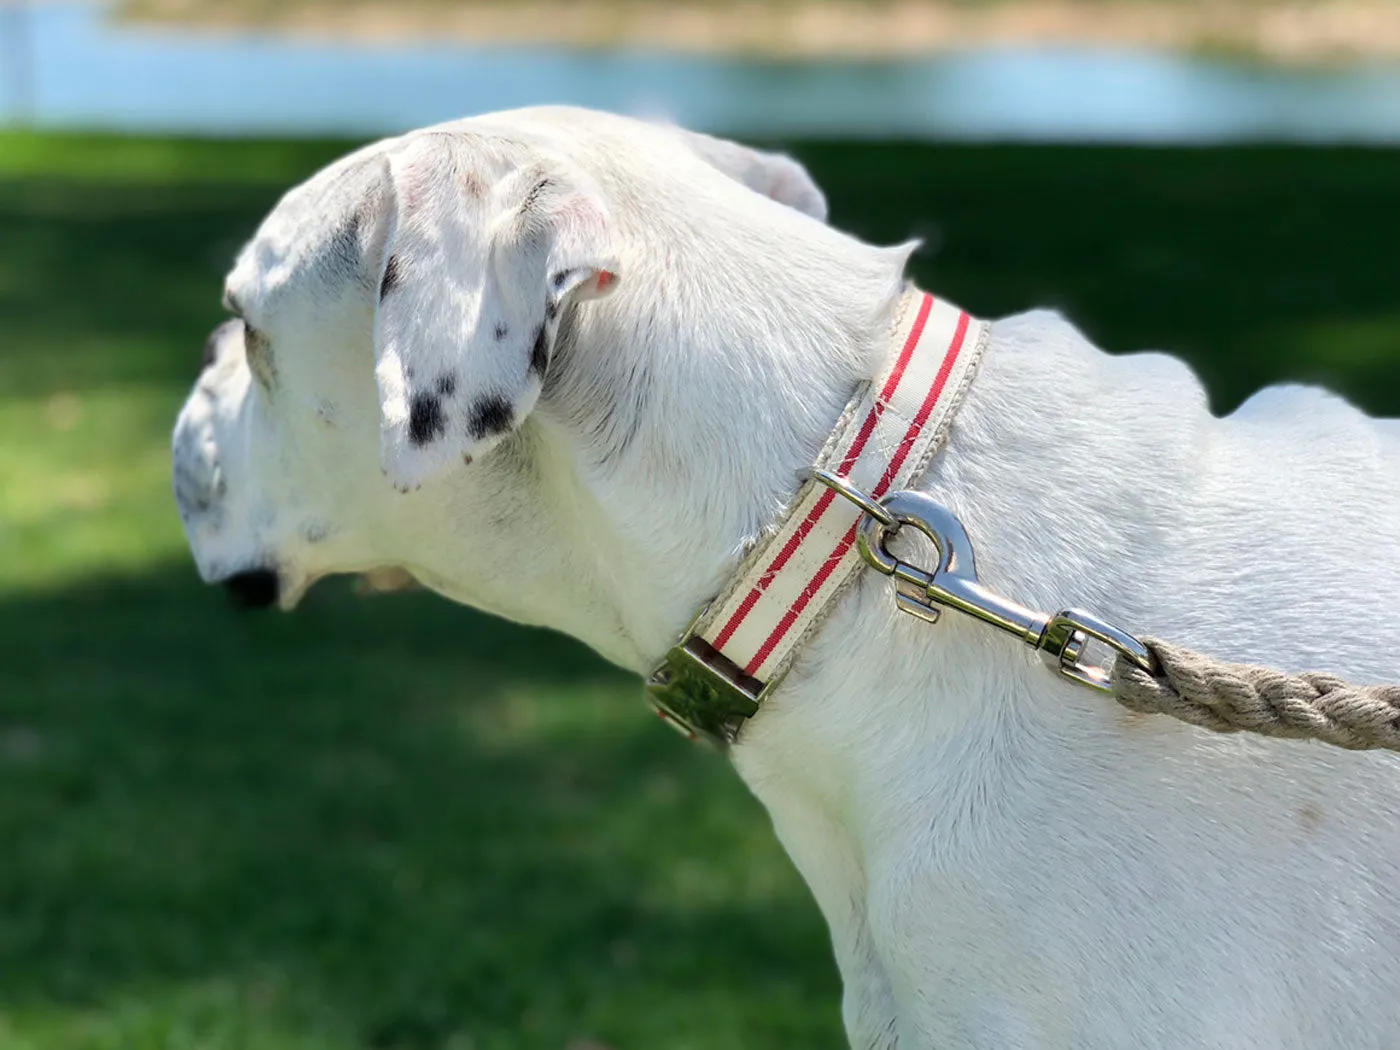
[843,487]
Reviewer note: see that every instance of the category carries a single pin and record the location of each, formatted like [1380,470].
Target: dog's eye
[259,354]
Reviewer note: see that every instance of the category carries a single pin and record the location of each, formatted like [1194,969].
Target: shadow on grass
[391,818]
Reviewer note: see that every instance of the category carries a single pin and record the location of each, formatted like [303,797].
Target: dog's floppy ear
[775,175]
[476,267]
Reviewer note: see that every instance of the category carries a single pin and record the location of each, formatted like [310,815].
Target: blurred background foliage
[396,823]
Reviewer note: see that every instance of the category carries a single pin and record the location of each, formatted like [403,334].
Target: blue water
[86,72]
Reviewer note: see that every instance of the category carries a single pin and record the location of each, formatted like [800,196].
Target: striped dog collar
[738,649]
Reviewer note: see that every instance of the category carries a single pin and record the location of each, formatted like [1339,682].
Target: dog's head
[396,319]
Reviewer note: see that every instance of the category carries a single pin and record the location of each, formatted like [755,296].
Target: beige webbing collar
[742,644]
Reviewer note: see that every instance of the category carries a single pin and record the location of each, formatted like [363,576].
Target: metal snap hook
[1061,639]
[953,582]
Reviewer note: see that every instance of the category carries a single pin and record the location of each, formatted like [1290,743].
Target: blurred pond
[67,66]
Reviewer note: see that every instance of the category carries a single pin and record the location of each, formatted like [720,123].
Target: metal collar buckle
[702,694]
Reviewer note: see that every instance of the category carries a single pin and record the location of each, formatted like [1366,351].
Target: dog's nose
[253,588]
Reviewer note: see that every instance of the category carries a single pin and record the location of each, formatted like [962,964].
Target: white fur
[1005,861]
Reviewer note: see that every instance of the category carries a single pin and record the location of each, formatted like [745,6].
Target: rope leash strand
[1229,698]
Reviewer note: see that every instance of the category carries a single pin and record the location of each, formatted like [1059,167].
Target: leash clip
[1061,639]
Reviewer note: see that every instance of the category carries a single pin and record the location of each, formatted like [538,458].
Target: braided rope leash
[1230,698]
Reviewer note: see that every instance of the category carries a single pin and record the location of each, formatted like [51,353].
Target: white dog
[430,372]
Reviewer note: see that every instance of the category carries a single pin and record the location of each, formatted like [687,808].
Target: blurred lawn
[393,823]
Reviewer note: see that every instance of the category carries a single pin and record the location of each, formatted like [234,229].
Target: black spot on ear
[425,419]
[447,384]
[491,415]
[500,331]
[559,278]
[391,276]
[539,353]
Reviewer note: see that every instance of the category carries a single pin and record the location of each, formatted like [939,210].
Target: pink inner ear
[605,278]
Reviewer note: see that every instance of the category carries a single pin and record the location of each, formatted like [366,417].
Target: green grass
[393,823]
